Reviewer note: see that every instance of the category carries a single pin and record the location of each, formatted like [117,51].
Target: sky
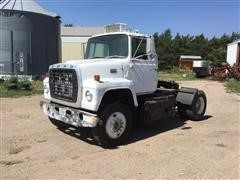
[210,17]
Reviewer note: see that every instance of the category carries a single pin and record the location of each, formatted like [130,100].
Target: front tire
[115,125]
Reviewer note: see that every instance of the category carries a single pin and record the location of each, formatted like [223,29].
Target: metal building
[29,38]
[233,53]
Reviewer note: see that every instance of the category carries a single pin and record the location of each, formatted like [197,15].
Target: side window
[139,47]
[91,50]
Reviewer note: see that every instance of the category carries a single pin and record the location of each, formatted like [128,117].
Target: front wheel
[115,125]
[197,110]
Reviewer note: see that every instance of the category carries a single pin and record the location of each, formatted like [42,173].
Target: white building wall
[73,48]
[70,39]
[232,53]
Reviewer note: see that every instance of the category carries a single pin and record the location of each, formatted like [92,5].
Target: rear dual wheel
[197,110]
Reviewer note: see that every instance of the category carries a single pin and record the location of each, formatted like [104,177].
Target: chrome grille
[63,84]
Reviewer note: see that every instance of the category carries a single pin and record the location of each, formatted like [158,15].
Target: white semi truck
[116,84]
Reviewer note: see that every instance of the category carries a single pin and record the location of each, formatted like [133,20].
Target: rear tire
[115,125]
[197,110]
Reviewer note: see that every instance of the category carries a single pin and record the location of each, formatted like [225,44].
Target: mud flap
[186,96]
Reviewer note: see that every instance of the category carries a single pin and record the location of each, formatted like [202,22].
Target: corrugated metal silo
[29,38]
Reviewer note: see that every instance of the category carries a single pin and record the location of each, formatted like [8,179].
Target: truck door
[144,66]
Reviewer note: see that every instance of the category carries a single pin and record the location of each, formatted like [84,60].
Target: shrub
[11,83]
[14,87]
[13,79]
[25,85]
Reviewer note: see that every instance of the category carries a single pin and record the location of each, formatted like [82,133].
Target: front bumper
[69,115]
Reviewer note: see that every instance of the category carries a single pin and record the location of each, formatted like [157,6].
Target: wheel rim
[200,105]
[116,125]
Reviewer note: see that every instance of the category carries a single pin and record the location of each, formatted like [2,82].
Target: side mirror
[150,45]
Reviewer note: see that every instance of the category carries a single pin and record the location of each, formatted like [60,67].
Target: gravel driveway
[32,148]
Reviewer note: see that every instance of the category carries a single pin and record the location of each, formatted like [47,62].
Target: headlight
[88,96]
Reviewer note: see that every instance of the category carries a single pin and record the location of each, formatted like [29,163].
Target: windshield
[108,46]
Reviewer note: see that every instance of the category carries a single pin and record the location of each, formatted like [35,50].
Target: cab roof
[122,32]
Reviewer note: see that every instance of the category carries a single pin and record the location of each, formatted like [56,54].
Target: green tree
[164,49]
[68,25]
[170,48]
[235,36]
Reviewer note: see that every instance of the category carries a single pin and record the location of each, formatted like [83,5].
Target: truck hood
[90,62]
[106,68]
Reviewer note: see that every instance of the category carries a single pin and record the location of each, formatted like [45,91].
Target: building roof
[190,57]
[235,42]
[81,31]
[25,5]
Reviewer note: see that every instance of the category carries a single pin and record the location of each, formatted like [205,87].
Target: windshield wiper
[114,56]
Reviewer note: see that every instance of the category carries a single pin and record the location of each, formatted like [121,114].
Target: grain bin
[29,38]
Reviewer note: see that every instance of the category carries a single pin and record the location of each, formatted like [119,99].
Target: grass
[233,86]
[176,75]
[37,89]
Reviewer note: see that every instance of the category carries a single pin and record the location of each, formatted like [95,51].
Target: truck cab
[115,82]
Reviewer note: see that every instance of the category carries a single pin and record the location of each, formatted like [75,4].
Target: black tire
[58,124]
[99,132]
[197,110]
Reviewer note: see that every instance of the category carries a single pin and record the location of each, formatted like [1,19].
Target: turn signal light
[97,78]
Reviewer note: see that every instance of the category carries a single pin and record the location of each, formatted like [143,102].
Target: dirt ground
[32,148]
